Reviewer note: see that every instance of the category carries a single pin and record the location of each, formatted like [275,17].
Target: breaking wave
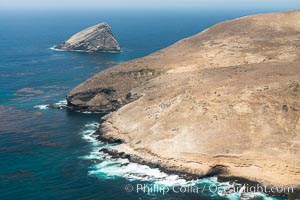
[60,105]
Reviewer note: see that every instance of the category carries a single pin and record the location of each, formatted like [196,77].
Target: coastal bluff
[224,102]
[97,38]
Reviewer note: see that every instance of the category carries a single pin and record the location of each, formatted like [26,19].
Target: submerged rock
[98,38]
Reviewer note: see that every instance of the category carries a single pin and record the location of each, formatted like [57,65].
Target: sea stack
[97,38]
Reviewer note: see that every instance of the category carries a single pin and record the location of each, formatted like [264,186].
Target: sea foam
[41,107]
[55,49]
[59,104]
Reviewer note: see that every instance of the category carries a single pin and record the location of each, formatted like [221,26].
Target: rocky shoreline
[139,160]
[218,171]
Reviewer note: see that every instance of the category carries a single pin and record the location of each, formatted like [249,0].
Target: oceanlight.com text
[213,188]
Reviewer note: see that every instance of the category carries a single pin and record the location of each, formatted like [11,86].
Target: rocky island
[98,38]
[223,102]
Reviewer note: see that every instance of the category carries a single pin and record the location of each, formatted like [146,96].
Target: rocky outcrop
[98,38]
[110,90]
[228,96]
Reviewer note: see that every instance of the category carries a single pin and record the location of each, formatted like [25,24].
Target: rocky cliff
[225,101]
[98,38]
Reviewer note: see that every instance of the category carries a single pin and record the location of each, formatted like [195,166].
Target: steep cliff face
[93,39]
[228,96]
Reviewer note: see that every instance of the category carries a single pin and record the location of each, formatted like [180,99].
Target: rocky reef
[98,38]
[225,101]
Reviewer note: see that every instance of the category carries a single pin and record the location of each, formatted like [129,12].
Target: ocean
[52,153]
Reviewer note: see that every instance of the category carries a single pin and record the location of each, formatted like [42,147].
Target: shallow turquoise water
[50,154]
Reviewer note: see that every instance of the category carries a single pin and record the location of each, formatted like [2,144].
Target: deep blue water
[47,154]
